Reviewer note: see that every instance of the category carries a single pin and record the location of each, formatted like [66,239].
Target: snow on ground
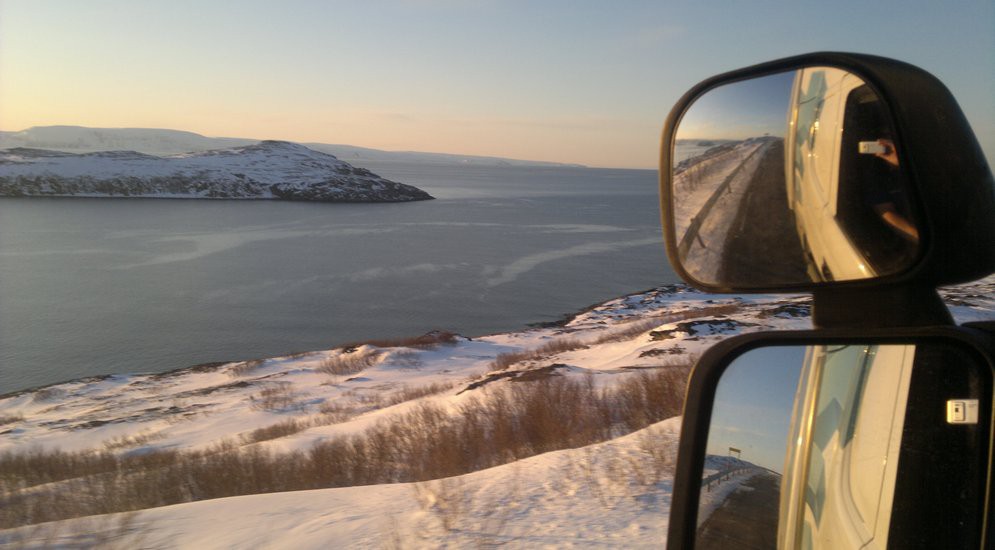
[610,494]
[600,496]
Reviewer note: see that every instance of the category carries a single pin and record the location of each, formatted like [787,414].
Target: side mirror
[824,170]
[846,442]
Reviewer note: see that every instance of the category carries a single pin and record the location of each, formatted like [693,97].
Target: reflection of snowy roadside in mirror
[525,264]
[708,192]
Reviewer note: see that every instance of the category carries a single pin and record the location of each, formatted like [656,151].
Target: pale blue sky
[753,405]
[572,81]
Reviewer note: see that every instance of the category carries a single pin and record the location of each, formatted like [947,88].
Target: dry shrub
[429,340]
[245,367]
[275,431]
[445,498]
[126,441]
[277,397]
[48,394]
[559,345]
[333,412]
[350,362]
[647,397]
[11,418]
[405,358]
[410,393]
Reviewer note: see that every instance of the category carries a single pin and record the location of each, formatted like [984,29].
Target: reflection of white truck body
[812,153]
[843,447]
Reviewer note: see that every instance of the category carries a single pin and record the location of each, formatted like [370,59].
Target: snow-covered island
[266,170]
[555,436]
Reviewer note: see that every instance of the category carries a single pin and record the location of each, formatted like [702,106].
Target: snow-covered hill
[292,411]
[267,170]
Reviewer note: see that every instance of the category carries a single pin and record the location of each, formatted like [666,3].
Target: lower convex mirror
[847,446]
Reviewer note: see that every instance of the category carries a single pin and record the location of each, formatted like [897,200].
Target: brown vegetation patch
[787,311]
[553,347]
[656,352]
[429,340]
[275,398]
[350,361]
[199,368]
[10,418]
[276,431]
[700,327]
[245,367]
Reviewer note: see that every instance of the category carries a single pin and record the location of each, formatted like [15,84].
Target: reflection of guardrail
[692,231]
[719,477]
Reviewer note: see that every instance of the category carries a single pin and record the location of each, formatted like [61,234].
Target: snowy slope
[267,170]
[605,495]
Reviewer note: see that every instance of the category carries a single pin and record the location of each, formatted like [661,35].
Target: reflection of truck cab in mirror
[843,447]
[843,181]
[812,150]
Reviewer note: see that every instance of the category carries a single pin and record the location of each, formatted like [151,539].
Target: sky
[753,405]
[740,110]
[568,81]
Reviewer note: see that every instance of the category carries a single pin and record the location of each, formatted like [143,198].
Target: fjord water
[99,286]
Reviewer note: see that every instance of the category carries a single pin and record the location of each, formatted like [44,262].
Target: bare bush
[350,362]
[333,412]
[11,418]
[648,397]
[126,441]
[445,498]
[245,367]
[430,340]
[559,345]
[417,392]
[274,398]
[276,431]
[660,450]
[48,394]
[406,358]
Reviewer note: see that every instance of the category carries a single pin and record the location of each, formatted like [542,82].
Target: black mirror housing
[940,156]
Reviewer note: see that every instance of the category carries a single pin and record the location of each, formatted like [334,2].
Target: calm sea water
[96,286]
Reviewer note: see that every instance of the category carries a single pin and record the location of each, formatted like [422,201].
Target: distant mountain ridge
[153,141]
[263,170]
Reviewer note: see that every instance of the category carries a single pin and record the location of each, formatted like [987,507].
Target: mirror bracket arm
[882,306]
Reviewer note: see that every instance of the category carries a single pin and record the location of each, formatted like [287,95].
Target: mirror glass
[847,446]
[789,179]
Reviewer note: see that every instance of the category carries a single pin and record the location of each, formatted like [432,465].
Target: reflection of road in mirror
[746,450]
[731,214]
[747,516]
[762,246]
